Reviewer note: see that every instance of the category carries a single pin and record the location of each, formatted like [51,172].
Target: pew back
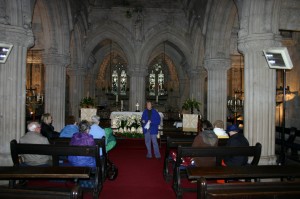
[55,151]
[219,152]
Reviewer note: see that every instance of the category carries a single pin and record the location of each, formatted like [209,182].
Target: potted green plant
[191,104]
[87,108]
[87,102]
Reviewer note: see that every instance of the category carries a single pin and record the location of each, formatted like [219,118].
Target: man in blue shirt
[96,131]
[150,123]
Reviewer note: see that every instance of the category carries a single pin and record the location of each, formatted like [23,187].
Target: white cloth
[147,126]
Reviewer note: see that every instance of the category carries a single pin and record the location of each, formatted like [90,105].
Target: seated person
[34,136]
[110,139]
[70,128]
[96,131]
[47,128]
[219,129]
[82,138]
[236,138]
[206,137]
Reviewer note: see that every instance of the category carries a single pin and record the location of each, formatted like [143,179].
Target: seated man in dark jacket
[236,139]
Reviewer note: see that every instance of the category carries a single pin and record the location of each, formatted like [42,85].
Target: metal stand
[281,158]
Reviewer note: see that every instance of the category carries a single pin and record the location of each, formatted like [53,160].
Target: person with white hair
[34,136]
[96,131]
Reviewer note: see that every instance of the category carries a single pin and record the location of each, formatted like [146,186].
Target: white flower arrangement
[128,124]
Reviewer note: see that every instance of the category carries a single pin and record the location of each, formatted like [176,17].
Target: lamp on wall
[279,58]
[4,52]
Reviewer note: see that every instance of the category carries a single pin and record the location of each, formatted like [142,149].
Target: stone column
[197,83]
[259,31]
[260,91]
[13,88]
[137,88]
[76,89]
[55,87]
[217,88]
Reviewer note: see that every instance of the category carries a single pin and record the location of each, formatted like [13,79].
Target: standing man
[150,123]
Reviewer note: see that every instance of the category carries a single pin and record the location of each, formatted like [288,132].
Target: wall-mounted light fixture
[278,58]
[4,52]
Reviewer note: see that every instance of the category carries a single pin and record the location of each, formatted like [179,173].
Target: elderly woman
[47,128]
[82,138]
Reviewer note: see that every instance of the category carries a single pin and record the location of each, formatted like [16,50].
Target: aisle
[138,177]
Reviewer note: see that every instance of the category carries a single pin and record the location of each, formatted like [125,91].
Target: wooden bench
[219,152]
[56,151]
[21,193]
[172,144]
[13,173]
[101,144]
[290,137]
[287,189]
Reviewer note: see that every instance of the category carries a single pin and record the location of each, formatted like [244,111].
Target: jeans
[148,139]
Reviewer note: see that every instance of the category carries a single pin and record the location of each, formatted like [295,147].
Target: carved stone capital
[258,42]
[136,71]
[16,35]
[197,72]
[217,64]
[56,59]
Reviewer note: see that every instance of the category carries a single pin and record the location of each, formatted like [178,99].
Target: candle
[137,106]
[156,98]
[117,98]
[121,104]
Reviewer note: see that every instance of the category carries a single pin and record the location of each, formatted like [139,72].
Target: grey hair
[32,126]
[95,119]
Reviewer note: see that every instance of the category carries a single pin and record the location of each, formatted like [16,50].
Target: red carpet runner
[138,177]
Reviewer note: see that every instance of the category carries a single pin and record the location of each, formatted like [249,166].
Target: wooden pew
[20,193]
[13,173]
[286,189]
[289,142]
[100,142]
[56,151]
[219,152]
[172,144]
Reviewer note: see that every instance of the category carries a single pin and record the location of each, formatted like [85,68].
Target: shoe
[158,158]
[148,157]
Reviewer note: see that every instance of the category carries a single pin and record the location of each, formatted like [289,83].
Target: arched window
[119,79]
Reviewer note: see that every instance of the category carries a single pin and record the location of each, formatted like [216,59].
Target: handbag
[112,171]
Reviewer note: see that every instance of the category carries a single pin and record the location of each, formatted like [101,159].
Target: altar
[128,119]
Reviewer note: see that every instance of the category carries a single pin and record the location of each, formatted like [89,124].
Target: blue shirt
[68,131]
[97,132]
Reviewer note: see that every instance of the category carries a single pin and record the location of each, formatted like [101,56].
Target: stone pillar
[217,88]
[55,87]
[259,31]
[260,91]
[76,89]
[13,88]
[137,88]
[197,83]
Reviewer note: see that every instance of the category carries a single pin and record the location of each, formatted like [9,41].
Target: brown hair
[70,120]
[219,124]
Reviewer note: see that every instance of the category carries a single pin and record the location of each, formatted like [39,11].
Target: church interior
[122,53]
